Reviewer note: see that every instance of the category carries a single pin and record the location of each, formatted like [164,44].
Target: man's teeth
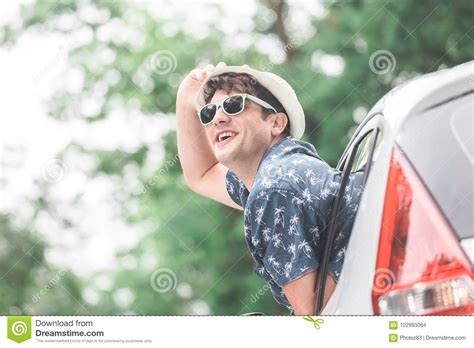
[225,135]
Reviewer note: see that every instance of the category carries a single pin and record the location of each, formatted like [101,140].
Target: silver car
[412,245]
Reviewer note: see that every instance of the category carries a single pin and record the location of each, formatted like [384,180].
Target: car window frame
[372,121]
[372,126]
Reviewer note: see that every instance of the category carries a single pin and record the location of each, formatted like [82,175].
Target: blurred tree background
[131,57]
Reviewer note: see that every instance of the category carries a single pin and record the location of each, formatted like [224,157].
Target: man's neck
[246,170]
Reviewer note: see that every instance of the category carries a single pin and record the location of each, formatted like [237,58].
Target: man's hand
[187,91]
[202,172]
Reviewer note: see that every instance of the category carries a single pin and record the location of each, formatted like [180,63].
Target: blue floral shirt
[287,212]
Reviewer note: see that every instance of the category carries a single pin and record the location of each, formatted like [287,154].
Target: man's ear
[279,123]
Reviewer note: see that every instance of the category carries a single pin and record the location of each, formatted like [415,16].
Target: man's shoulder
[291,173]
[276,190]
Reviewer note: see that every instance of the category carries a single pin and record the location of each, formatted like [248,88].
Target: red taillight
[421,267]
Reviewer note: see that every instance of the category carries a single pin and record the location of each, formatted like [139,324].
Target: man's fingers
[220,65]
[197,74]
[201,74]
[208,69]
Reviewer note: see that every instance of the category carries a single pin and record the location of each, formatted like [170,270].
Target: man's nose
[221,117]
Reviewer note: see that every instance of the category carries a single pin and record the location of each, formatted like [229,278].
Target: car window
[439,144]
[362,154]
[362,138]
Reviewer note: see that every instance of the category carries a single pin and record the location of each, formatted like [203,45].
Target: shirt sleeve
[285,238]
[235,187]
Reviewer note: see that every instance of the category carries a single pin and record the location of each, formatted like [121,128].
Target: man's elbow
[195,184]
[191,181]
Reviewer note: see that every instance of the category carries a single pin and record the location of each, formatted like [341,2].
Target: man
[239,146]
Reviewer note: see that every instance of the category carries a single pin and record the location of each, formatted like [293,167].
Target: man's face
[250,134]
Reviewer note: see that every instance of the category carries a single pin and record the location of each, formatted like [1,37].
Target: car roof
[423,92]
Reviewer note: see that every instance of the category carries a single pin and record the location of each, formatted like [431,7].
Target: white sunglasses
[232,105]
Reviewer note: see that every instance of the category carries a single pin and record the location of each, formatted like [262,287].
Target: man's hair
[244,83]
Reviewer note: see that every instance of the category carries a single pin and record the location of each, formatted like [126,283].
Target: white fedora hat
[277,86]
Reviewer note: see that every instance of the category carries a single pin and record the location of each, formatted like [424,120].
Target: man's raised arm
[202,172]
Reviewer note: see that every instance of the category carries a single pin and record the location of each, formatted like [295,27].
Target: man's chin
[223,158]
[225,155]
